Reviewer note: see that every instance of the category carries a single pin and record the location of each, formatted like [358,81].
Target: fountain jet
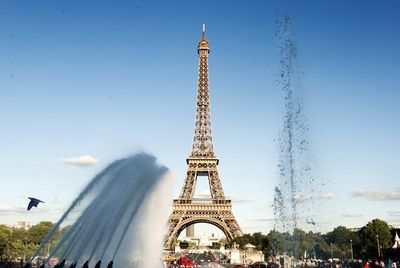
[115,204]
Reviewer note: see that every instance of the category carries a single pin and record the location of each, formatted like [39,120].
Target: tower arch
[215,222]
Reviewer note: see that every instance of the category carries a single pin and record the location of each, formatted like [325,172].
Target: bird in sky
[34,202]
[310,222]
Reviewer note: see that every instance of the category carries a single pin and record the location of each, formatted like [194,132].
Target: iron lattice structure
[188,210]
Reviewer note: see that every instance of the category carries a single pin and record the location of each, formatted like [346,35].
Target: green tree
[19,241]
[259,240]
[242,240]
[319,249]
[38,232]
[17,249]
[307,243]
[376,232]
[5,239]
[340,238]
[276,243]
[19,234]
[266,246]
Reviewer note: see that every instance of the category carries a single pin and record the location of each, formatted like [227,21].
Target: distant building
[251,255]
[203,241]
[190,231]
[395,226]
[22,224]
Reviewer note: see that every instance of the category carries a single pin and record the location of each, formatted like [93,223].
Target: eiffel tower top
[202,141]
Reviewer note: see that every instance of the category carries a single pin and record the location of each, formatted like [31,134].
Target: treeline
[340,243]
[18,243]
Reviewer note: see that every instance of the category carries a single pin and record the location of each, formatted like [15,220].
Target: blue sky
[110,78]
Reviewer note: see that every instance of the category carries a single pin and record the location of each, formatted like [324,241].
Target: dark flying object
[34,202]
[310,222]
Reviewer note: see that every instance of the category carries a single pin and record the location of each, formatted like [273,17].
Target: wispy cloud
[302,199]
[7,210]
[352,215]
[327,196]
[203,195]
[261,220]
[240,199]
[81,161]
[394,213]
[373,195]
[233,197]
[393,216]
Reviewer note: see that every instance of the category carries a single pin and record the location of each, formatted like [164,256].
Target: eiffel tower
[188,210]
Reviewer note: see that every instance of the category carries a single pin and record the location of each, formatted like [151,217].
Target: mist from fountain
[295,178]
[119,216]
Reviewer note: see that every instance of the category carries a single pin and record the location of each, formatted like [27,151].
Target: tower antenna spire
[204,30]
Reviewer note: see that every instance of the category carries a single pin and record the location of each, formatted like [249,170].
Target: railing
[202,201]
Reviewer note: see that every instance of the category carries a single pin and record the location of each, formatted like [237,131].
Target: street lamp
[25,242]
[351,248]
[379,249]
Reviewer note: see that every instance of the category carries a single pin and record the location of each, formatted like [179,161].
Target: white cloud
[327,196]
[302,199]
[373,195]
[81,161]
